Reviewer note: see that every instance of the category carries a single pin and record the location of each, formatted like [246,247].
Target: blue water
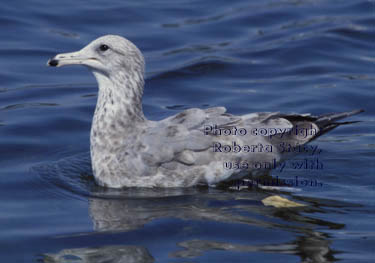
[290,56]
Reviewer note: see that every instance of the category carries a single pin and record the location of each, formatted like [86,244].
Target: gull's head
[106,55]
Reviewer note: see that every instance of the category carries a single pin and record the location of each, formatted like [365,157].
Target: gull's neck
[120,95]
[118,109]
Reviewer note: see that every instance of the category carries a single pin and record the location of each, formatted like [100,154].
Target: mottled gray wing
[177,138]
[173,138]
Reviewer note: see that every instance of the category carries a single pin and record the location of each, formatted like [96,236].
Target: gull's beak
[73,58]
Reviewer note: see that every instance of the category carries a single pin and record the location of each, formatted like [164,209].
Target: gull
[195,146]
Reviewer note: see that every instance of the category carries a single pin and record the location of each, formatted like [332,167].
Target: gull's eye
[103,47]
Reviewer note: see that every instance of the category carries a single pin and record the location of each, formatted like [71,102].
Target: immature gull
[196,146]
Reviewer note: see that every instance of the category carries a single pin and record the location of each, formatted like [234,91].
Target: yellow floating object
[280,202]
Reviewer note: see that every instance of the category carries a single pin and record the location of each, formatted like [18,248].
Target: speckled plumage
[129,150]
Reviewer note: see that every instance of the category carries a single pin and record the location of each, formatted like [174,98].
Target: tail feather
[328,122]
[332,117]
